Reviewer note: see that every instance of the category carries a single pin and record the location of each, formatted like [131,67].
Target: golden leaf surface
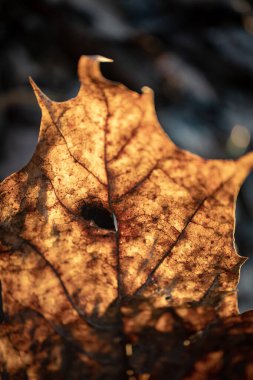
[111,224]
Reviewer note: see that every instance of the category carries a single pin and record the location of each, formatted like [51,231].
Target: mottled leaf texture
[117,251]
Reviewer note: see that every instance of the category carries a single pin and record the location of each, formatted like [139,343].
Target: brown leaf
[109,216]
[190,343]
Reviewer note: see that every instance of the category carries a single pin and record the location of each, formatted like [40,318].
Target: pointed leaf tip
[89,67]
[147,90]
[41,97]
[247,160]
[149,94]
[101,58]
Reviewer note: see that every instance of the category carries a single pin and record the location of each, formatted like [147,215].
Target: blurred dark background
[197,55]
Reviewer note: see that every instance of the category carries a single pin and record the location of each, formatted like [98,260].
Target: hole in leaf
[99,215]
[244,243]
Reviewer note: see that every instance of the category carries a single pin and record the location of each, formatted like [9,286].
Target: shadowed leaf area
[117,249]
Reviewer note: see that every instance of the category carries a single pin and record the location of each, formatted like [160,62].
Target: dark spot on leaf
[99,215]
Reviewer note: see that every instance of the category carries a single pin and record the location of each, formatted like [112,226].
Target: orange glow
[113,234]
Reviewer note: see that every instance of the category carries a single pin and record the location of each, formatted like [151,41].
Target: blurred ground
[197,55]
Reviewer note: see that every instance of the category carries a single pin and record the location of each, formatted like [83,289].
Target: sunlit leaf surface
[117,251]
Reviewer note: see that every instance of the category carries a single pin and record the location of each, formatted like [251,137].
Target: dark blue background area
[196,55]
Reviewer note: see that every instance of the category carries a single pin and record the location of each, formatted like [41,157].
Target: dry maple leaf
[117,251]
